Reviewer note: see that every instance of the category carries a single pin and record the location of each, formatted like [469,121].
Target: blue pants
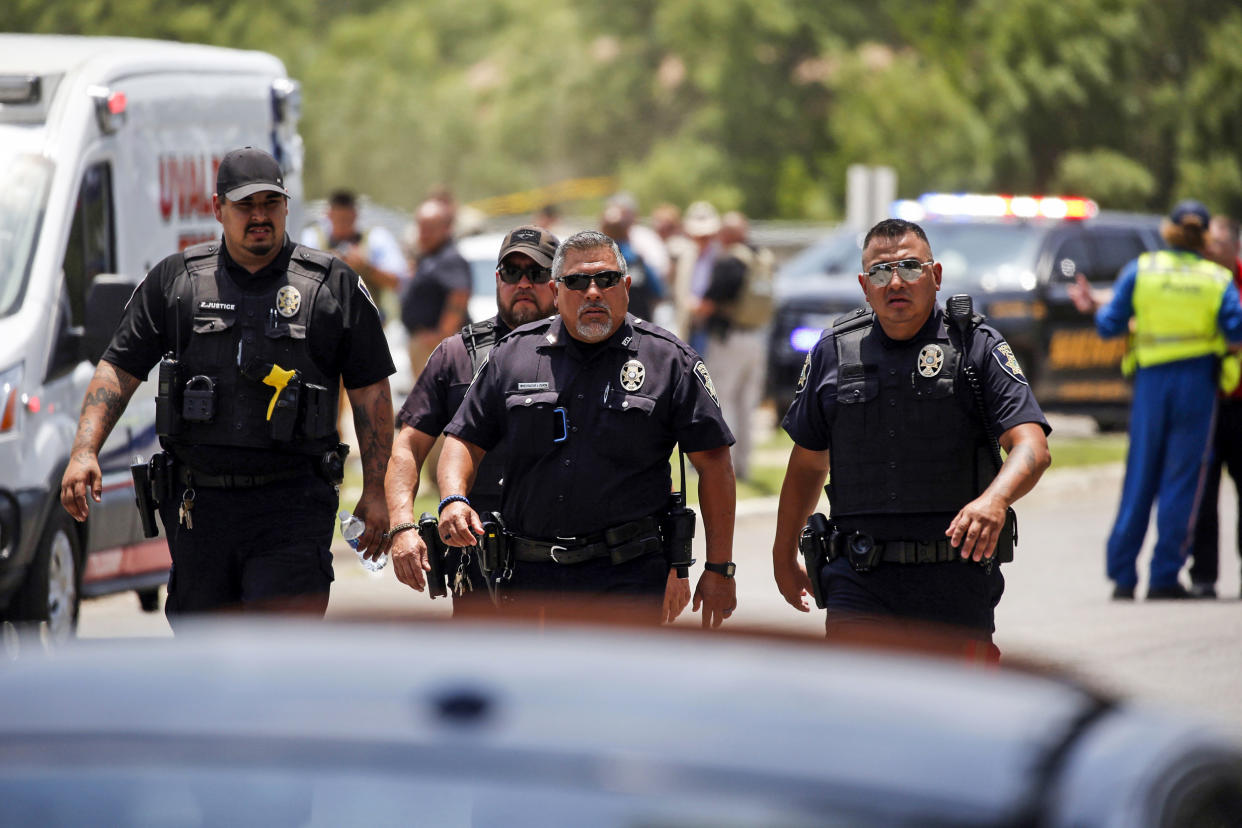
[1171,425]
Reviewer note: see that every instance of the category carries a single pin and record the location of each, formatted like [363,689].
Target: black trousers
[1205,567]
[261,548]
[957,594]
[631,591]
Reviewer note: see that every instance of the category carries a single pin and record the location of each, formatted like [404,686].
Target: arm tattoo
[106,399]
[373,424]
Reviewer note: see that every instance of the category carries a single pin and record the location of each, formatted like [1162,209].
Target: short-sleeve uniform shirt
[434,400]
[589,429]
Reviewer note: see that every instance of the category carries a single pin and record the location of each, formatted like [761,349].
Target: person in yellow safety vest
[1185,310]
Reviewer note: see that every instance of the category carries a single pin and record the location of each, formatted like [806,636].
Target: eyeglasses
[908,269]
[512,274]
[581,281]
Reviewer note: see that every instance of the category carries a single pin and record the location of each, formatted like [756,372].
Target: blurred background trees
[755,104]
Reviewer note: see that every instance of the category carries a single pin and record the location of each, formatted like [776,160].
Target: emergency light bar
[974,205]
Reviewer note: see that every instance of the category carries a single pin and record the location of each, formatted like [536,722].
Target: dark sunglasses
[512,274]
[908,269]
[581,281]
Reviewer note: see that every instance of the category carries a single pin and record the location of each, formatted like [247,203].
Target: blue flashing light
[804,339]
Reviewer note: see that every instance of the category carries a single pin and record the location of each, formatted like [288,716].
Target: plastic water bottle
[351,529]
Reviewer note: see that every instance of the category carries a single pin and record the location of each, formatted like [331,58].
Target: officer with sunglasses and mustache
[588,407]
[886,410]
[523,294]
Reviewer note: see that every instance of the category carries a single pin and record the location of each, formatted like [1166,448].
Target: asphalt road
[1056,607]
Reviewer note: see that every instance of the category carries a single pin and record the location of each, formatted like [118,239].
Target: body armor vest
[237,339]
[903,440]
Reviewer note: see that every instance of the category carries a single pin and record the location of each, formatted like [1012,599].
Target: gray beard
[593,331]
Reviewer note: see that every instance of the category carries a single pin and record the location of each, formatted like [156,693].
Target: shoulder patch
[806,373]
[700,371]
[1004,357]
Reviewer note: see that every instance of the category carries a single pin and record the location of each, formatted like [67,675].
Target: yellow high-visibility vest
[1177,297]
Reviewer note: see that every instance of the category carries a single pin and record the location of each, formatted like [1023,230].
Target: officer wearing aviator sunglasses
[907,405]
[589,406]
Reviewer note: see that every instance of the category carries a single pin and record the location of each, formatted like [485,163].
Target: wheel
[149,599]
[51,592]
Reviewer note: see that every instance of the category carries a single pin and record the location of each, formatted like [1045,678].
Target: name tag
[532,386]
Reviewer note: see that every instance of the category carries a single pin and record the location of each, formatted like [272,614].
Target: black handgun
[429,531]
[145,498]
[813,544]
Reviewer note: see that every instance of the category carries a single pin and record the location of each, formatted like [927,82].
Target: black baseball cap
[247,171]
[535,242]
[1190,209]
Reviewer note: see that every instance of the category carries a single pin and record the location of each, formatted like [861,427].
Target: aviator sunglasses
[580,281]
[908,269]
[512,274]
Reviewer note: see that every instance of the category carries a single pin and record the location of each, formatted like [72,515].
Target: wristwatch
[726,569]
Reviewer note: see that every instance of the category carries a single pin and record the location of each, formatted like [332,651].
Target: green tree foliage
[755,104]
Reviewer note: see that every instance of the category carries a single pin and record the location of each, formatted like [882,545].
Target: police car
[1015,256]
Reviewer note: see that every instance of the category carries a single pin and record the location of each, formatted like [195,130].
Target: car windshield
[24,182]
[985,256]
[839,253]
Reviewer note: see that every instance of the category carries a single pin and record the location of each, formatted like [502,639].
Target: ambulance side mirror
[105,302]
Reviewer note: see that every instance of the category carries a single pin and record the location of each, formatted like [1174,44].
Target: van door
[90,251]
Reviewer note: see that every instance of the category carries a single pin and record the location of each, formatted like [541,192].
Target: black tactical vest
[904,438]
[235,339]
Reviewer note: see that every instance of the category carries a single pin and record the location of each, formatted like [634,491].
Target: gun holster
[495,553]
[437,577]
[677,532]
[814,543]
[152,486]
[332,464]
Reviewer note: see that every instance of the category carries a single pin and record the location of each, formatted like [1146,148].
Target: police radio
[677,527]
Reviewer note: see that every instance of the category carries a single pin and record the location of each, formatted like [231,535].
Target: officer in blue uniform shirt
[589,406]
[254,335]
[884,405]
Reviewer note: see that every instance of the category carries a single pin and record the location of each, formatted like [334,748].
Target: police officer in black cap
[253,335]
[589,406]
[523,294]
[886,404]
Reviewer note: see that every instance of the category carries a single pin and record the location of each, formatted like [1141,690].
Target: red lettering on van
[186,183]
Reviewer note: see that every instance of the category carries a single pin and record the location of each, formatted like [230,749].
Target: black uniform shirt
[584,452]
[1007,396]
[435,399]
[347,339]
[438,274]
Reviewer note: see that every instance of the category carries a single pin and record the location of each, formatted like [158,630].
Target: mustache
[593,305]
[256,224]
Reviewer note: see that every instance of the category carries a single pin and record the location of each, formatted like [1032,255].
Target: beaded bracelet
[399,528]
[451,499]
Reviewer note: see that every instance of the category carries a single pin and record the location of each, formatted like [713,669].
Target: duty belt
[627,544]
[898,551]
[191,478]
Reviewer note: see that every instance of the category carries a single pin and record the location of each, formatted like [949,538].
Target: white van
[108,157]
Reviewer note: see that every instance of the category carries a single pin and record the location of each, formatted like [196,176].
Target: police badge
[288,300]
[632,375]
[931,360]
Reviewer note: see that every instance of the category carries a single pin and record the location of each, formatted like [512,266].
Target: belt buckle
[554,548]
